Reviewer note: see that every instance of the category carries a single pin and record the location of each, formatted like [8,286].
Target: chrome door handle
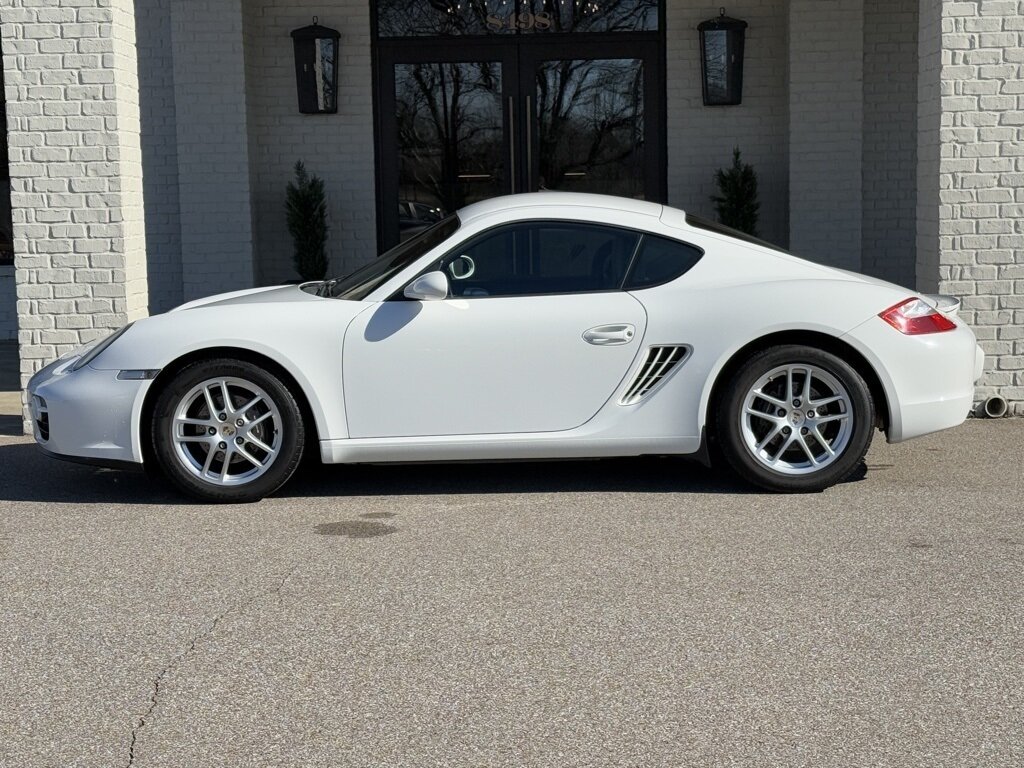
[608,335]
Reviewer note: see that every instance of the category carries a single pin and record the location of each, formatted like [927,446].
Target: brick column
[76,172]
[213,146]
[826,116]
[980,182]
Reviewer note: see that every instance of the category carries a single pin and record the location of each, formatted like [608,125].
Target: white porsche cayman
[537,326]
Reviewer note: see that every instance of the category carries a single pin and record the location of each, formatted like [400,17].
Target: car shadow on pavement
[645,474]
[28,475]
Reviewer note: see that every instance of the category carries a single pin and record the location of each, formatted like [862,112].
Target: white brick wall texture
[339,148]
[981,181]
[889,223]
[826,108]
[213,160]
[76,171]
[701,139]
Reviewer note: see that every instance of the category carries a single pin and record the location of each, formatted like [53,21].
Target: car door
[535,336]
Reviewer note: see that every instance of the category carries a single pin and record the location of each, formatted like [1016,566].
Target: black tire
[738,442]
[281,429]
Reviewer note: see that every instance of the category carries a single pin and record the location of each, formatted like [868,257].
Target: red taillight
[914,317]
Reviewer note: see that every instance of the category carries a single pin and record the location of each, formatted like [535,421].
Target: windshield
[361,283]
[721,229]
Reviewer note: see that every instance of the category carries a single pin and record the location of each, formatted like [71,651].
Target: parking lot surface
[642,612]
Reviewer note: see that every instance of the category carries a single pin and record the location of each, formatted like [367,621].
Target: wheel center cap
[227,430]
[796,417]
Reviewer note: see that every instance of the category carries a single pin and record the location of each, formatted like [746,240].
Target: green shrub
[736,202]
[306,208]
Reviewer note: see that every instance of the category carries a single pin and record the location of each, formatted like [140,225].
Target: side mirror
[432,286]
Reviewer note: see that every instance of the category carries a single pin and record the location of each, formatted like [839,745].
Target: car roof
[559,199]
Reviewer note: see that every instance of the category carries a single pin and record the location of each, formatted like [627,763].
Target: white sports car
[537,326]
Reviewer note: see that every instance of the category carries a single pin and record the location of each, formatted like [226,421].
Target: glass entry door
[593,112]
[464,121]
[444,133]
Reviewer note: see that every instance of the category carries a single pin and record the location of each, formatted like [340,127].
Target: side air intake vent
[660,362]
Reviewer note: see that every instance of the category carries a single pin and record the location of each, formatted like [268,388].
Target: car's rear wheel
[795,419]
[227,431]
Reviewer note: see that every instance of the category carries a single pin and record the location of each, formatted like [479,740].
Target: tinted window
[659,261]
[541,258]
[405,18]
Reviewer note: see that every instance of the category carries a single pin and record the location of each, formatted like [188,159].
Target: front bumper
[87,415]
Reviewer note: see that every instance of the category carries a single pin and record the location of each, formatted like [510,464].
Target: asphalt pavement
[642,612]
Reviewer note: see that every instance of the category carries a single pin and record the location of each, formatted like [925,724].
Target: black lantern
[721,60]
[316,68]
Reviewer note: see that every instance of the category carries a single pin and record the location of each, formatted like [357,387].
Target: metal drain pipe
[995,407]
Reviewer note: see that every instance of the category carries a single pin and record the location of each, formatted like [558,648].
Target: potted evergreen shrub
[736,201]
[306,209]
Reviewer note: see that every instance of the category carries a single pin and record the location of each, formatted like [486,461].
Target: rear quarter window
[659,261]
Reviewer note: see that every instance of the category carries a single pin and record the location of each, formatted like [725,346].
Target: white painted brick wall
[826,55]
[890,140]
[212,146]
[981,181]
[339,148]
[701,139]
[76,171]
[159,154]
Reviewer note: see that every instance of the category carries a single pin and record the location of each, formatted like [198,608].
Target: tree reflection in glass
[450,133]
[590,117]
[716,48]
[324,65]
[409,18]
[597,15]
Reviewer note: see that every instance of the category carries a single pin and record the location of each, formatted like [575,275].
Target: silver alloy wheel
[797,419]
[226,431]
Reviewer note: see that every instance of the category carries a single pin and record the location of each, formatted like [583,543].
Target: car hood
[267,295]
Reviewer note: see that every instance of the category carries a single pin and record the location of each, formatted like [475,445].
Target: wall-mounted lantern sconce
[721,59]
[316,68]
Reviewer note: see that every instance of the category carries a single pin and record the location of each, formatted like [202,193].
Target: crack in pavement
[140,723]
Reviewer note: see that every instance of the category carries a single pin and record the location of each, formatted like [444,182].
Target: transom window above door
[417,18]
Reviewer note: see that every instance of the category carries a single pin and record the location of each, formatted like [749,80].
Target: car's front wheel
[795,419]
[227,431]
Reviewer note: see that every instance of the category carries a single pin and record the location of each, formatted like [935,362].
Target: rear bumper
[928,379]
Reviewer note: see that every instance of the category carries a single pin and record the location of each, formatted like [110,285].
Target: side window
[541,258]
[659,261]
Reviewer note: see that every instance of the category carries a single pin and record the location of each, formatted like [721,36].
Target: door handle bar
[529,144]
[607,335]
[512,143]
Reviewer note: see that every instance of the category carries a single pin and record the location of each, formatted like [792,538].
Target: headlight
[91,354]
